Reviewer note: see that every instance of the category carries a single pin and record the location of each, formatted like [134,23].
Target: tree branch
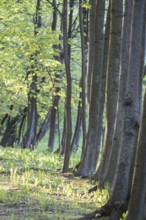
[55,7]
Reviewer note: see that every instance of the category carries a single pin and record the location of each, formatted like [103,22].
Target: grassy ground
[32,187]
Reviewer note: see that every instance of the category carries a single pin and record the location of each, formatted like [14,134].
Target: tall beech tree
[137,199]
[112,82]
[29,140]
[101,126]
[132,108]
[83,34]
[90,154]
[92,15]
[124,61]
[68,118]
[57,81]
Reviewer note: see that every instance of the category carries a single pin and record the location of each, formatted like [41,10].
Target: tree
[137,199]
[90,154]
[92,15]
[57,80]
[29,140]
[112,82]
[124,61]
[68,122]
[83,34]
[132,109]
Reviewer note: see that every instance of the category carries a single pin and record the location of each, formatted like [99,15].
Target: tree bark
[22,125]
[89,160]
[29,140]
[44,127]
[132,109]
[112,82]
[137,199]
[101,128]
[68,119]
[56,98]
[84,69]
[9,136]
[78,127]
[116,141]
[91,46]
[53,123]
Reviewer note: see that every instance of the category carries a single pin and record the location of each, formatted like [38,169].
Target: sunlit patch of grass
[100,197]
[124,215]
[32,181]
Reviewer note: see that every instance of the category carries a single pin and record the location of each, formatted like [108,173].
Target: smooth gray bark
[89,160]
[112,83]
[100,132]
[78,128]
[92,15]
[44,127]
[68,118]
[137,199]
[132,109]
[116,141]
[84,69]
[53,123]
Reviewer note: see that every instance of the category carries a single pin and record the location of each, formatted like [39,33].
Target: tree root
[93,189]
[107,212]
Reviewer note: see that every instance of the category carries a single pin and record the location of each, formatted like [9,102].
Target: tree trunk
[57,89]
[132,108]
[22,125]
[101,129]
[29,140]
[78,127]
[9,136]
[84,69]
[90,154]
[116,141]
[68,119]
[77,132]
[6,116]
[137,199]
[44,127]
[62,150]
[53,123]
[91,46]
[112,82]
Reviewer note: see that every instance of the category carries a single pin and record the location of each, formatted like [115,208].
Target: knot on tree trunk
[128,101]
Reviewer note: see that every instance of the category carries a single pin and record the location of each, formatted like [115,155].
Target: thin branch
[55,7]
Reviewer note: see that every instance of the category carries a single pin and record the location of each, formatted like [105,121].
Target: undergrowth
[32,186]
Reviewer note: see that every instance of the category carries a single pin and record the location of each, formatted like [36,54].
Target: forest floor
[32,187]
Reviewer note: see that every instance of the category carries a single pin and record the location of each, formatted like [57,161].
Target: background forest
[72,82]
